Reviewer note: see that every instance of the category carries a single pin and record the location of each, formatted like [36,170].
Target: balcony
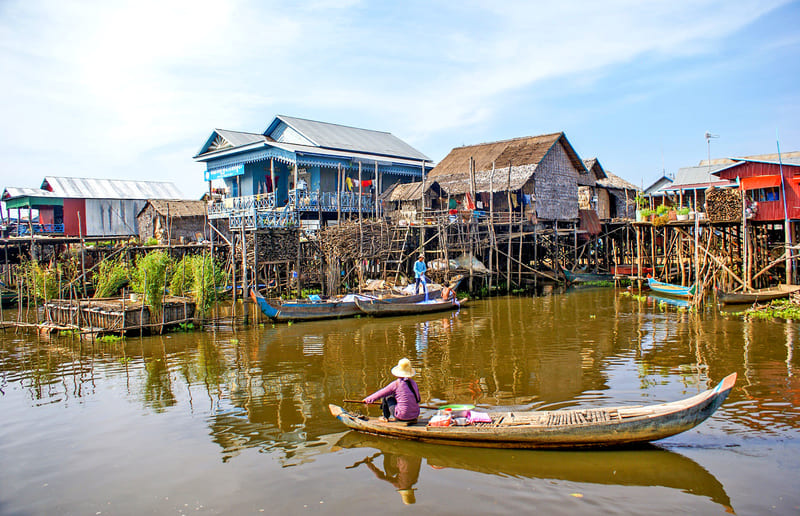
[262,210]
[39,229]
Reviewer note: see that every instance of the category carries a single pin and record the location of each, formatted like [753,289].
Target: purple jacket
[407,405]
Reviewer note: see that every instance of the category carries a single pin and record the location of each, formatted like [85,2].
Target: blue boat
[671,289]
[308,310]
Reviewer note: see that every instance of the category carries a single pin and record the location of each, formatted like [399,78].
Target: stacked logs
[348,241]
[275,245]
[723,204]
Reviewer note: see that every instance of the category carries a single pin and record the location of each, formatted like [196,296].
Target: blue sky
[131,90]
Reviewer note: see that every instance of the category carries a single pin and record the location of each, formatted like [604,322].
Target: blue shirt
[419,268]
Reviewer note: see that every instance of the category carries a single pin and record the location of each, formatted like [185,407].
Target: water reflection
[648,466]
[266,388]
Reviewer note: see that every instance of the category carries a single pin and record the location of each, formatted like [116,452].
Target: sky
[131,90]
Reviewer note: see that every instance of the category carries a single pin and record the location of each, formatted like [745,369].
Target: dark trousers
[387,406]
[421,280]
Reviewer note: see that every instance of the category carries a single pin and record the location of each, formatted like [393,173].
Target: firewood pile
[723,204]
[275,245]
[347,241]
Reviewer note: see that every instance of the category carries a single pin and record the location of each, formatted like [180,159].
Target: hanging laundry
[366,183]
[514,201]
[470,202]
[349,183]
[452,204]
[526,199]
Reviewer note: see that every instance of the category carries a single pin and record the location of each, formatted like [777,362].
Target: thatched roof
[615,182]
[177,208]
[516,152]
[408,191]
[594,167]
[486,181]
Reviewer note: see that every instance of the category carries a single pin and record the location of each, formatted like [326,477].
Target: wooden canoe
[631,270]
[384,308]
[306,310]
[670,289]
[615,426]
[758,295]
[585,277]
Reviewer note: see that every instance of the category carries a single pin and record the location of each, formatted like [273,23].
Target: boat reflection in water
[645,466]
[672,301]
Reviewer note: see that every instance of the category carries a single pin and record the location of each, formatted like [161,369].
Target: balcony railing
[24,229]
[258,211]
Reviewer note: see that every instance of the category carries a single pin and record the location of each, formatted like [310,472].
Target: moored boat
[631,270]
[385,308]
[671,289]
[614,426]
[586,277]
[308,310]
[757,295]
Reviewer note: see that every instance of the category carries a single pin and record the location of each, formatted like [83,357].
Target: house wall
[112,217]
[74,211]
[603,204]
[771,210]
[556,186]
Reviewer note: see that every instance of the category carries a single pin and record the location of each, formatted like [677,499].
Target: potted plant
[683,213]
[645,213]
[641,204]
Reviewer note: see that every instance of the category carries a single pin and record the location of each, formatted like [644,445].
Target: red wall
[46,215]
[72,207]
[773,210]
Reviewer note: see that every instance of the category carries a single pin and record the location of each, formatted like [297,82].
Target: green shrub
[200,277]
[662,209]
[111,276]
[684,211]
[150,277]
[151,241]
[646,212]
[42,282]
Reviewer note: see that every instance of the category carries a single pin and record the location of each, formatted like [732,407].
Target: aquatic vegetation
[599,283]
[111,276]
[150,277]
[42,282]
[111,339]
[778,309]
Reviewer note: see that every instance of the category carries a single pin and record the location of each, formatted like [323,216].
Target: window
[766,194]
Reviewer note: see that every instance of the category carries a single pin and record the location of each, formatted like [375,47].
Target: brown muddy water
[235,421]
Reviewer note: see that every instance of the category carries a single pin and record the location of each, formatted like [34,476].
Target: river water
[236,421]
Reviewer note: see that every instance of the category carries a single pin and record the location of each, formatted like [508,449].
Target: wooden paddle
[378,403]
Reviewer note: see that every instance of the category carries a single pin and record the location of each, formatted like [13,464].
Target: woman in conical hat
[399,399]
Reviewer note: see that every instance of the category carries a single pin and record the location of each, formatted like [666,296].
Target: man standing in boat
[399,399]
[419,274]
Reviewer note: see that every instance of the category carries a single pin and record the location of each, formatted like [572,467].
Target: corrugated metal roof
[239,138]
[699,176]
[84,188]
[342,137]
[13,192]
[658,185]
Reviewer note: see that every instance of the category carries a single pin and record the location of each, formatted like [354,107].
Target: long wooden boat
[670,289]
[586,277]
[385,308]
[631,270]
[757,295]
[306,310]
[600,427]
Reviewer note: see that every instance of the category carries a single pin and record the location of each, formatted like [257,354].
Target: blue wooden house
[305,172]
